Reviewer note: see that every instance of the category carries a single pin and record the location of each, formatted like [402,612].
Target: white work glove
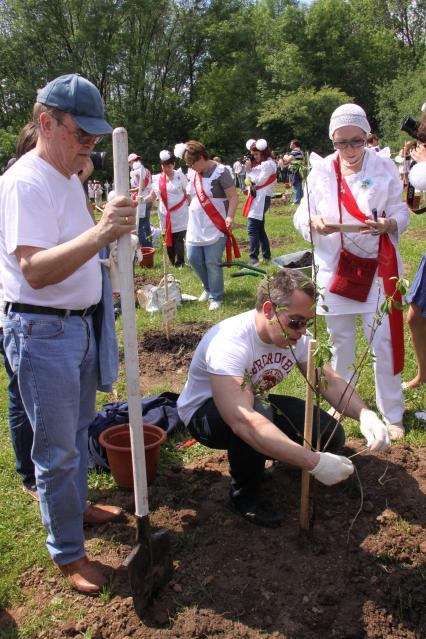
[332,468]
[374,431]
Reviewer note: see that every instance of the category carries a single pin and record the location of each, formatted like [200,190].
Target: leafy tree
[7,146]
[289,115]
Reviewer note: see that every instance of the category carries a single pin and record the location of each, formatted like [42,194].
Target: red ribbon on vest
[214,215]
[162,183]
[250,198]
[388,269]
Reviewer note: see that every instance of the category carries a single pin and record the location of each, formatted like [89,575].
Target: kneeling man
[236,363]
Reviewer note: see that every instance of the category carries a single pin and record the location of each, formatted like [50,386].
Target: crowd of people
[57,328]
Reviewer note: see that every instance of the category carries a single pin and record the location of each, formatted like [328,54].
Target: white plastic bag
[152,298]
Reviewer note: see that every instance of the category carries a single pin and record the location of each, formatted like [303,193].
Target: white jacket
[377,186]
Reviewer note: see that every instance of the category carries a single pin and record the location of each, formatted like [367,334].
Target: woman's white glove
[332,468]
[374,431]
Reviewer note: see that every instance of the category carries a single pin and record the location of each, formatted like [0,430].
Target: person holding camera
[355,216]
[416,295]
[58,327]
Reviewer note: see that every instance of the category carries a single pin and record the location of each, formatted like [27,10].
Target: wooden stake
[309,411]
[166,287]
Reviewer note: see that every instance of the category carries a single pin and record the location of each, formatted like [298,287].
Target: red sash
[214,215]
[388,270]
[162,183]
[250,198]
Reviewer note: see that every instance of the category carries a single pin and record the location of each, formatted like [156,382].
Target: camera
[411,126]
[99,160]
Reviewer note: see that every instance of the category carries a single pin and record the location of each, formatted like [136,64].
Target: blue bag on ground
[159,409]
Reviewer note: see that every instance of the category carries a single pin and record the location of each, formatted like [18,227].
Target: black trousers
[176,252]
[246,464]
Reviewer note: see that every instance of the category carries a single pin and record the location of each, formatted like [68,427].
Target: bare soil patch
[232,579]
[166,361]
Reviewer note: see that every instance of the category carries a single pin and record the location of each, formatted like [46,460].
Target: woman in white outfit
[140,185]
[169,188]
[212,210]
[357,185]
[262,173]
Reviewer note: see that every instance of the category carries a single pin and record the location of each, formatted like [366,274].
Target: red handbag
[354,275]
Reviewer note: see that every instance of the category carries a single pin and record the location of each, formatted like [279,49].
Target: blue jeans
[298,191]
[241,178]
[144,227]
[257,235]
[205,260]
[56,362]
[21,432]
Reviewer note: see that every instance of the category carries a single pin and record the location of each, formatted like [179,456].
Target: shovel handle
[121,182]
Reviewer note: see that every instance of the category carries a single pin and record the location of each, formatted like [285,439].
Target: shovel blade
[149,564]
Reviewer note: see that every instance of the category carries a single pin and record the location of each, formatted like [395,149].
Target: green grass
[21,534]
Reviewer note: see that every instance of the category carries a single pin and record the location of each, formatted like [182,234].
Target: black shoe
[259,513]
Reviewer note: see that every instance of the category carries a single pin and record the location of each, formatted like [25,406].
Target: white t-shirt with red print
[233,347]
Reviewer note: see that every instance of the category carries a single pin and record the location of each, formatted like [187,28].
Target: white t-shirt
[41,207]
[233,347]
[176,190]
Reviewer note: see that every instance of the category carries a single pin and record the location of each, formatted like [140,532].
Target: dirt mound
[354,576]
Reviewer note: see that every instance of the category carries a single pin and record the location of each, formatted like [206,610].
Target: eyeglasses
[294,323]
[356,143]
[81,136]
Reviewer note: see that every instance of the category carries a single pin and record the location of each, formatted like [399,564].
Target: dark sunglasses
[294,323]
[356,143]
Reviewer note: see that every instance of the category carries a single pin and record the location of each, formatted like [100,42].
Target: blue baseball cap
[80,98]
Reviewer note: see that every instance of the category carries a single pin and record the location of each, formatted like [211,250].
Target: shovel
[149,563]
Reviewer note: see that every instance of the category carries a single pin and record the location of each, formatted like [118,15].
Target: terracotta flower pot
[116,441]
[147,260]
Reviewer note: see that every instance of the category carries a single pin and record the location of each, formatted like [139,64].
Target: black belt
[16,307]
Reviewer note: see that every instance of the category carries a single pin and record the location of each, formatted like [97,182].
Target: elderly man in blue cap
[52,281]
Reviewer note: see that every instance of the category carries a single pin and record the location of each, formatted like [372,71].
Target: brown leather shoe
[98,514]
[83,576]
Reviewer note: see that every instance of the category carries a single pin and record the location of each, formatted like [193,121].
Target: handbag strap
[345,196]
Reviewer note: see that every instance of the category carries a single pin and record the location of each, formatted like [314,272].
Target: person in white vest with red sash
[212,210]
[169,188]
[140,187]
[358,268]
[262,173]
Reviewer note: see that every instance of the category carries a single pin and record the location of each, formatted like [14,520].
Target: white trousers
[342,331]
